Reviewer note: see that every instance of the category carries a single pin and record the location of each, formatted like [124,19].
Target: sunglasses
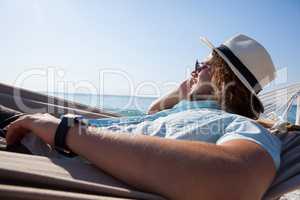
[200,66]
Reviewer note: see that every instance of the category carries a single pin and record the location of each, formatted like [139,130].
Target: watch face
[81,120]
[70,115]
[71,118]
[2,133]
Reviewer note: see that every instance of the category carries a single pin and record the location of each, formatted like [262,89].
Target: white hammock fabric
[278,101]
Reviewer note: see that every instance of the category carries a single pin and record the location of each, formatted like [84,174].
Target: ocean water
[124,105]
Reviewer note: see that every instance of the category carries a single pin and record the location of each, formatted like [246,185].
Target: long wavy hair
[230,92]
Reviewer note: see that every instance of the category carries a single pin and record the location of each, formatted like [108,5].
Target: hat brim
[233,69]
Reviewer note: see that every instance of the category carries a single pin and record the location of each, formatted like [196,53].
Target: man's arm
[164,102]
[169,100]
[175,169]
[180,169]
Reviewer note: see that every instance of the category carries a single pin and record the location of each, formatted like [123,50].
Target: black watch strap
[61,135]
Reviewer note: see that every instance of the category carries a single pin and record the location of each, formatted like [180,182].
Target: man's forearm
[165,102]
[174,169]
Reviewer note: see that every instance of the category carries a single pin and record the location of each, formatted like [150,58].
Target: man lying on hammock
[207,144]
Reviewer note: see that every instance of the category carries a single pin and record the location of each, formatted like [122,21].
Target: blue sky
[152,42]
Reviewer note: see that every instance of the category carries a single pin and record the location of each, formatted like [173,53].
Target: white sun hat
[248,60]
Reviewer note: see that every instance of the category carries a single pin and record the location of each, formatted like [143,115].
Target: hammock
[278,102]
[28,101]
[38,177]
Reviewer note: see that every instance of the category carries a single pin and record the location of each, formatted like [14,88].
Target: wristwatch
[67,121]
